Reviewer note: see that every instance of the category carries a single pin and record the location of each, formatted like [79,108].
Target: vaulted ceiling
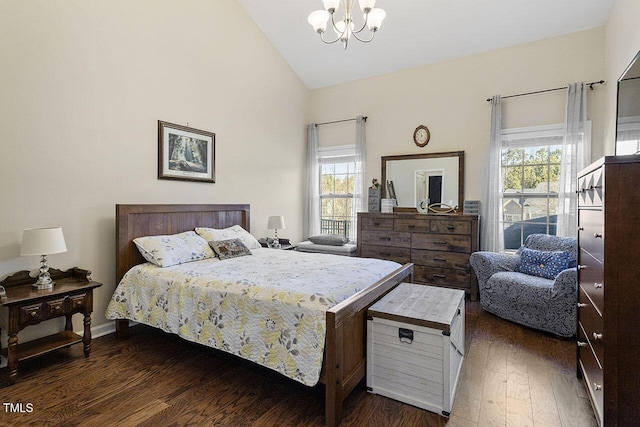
[417,32]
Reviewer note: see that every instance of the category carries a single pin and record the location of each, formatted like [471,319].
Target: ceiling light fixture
[345,28]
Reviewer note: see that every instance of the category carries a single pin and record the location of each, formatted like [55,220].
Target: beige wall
[450,98]
[83,85]
[622,45]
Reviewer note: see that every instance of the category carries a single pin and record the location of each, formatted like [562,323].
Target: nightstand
[22,305]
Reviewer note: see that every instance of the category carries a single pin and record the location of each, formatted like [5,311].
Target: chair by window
[544,303]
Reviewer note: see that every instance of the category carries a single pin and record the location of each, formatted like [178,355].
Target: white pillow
[165,251]
[234,232]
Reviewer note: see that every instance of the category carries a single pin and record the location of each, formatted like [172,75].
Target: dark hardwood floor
[511,376]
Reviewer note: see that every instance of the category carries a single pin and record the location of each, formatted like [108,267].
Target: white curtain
[492,233]
[360,191]
[312,209]
[576,154]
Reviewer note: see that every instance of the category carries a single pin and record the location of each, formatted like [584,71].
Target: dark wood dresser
[609,288]
[439,245]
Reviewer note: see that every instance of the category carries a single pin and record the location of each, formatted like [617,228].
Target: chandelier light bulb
[367,5]
[318,20]
[340,32]
[376,16]
[331,5]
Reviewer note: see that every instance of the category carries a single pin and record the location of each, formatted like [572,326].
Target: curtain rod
[340,121]
[548,90]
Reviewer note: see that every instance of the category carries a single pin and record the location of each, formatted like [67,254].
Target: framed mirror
[438,177]
[628,111]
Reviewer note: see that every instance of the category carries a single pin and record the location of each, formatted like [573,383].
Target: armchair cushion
[547,264]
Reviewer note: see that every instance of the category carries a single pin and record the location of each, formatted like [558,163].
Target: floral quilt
[268,307]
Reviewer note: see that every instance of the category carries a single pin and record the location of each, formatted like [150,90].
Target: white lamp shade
[276,223]
[367,5]
[331,5]
[318,20]
[375,19]
[42,241]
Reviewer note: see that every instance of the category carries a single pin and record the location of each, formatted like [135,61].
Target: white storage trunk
[415,346]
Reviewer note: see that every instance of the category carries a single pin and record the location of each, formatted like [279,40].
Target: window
[530,170]
[337,180]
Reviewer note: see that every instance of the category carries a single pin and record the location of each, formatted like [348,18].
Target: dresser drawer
[591,278]
[411,225]
[399,255]
[592,325]
[593,375]
[77,301]
[590,232]
[376,223]
[32,314]
[440,259]
[441,242]
[448,277]
[55,307]
[386,238]
[591,188]
[450,227]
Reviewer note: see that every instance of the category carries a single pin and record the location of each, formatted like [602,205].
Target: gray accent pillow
[329,239]
[231,248]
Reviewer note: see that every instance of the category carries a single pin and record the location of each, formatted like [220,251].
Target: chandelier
[345,28]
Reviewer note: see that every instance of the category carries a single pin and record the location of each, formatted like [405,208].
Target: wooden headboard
[151,220]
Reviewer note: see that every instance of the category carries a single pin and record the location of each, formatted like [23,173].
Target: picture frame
[185,153]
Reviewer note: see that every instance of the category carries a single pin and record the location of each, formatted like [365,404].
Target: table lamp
[43,242]
[275,223]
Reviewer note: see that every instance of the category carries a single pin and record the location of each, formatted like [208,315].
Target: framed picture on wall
[185,153]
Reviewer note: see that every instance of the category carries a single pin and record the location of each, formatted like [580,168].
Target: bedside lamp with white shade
[43,242]
[275,223]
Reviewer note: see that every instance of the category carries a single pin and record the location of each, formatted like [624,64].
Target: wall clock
[421,136]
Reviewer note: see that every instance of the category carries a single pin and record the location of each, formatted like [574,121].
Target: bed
[343,364]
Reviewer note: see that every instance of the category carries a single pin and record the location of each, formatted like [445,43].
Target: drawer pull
[439,276]
[597,235]
[411,226]
[580,228]
[582,305]
[56,308]
[385,238]
[582,344]
[597,285]
[581,267]
[597,337]
[33,314]
[597,386]
[450,227]
[438,242]
[376,223]
[439,259]
[385,254]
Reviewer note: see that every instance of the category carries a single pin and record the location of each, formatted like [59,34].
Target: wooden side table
[22,305]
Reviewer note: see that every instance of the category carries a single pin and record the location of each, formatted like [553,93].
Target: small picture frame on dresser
[374,199]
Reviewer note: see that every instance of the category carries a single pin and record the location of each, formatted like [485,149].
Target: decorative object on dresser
[471,207]
[275,223]
[415,346]
[535,287]
[185,153]
[438,244]
[608,278]
[374,196]
[22,305]
[43,242]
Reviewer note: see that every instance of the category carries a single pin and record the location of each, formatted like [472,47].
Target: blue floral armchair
[544,303]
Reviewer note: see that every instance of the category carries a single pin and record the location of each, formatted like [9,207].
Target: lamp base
[44,282]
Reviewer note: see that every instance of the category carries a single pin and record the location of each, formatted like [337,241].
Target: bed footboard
[345,357]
